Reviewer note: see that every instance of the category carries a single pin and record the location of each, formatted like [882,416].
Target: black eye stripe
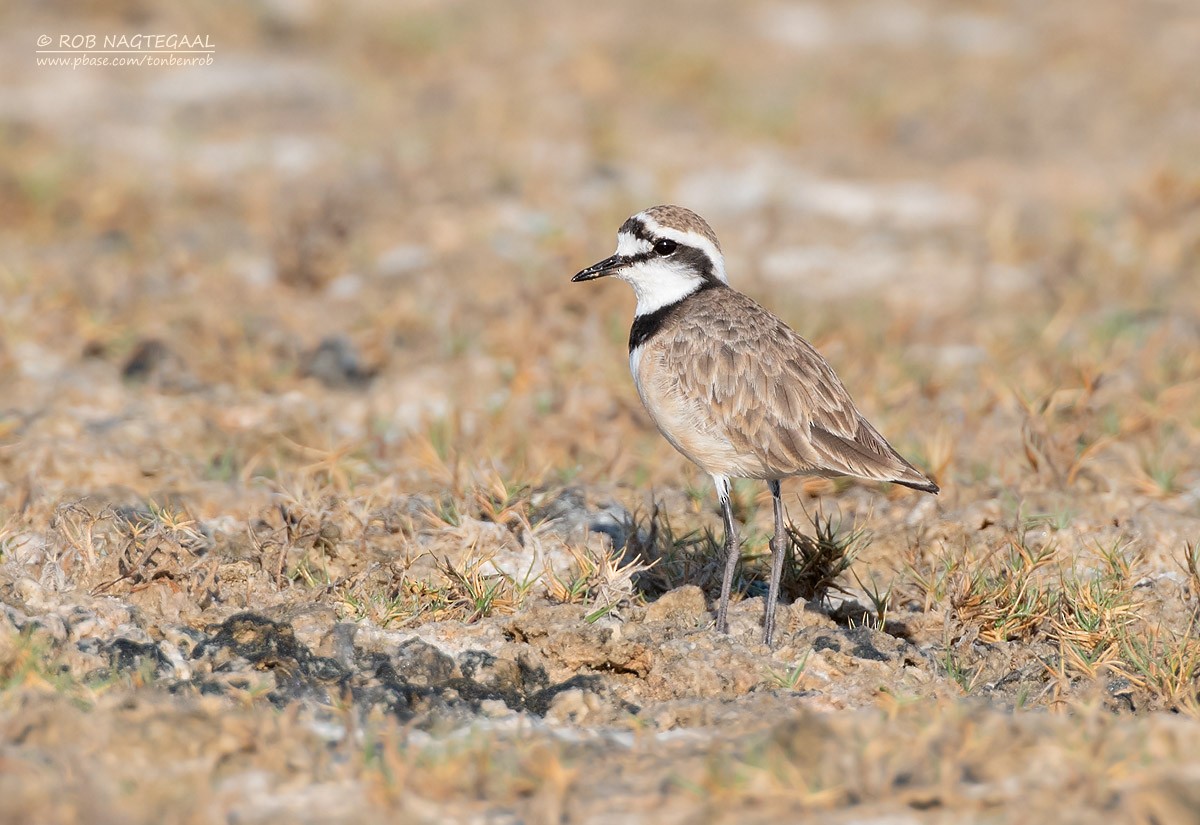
[683,254]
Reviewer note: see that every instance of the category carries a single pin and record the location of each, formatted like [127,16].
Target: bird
[731,386]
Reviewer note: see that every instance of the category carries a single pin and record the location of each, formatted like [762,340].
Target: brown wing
[773,394]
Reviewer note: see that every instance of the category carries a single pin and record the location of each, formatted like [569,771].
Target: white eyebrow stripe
[629,245]
[689,239]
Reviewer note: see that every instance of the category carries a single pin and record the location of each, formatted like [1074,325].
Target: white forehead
[628,244]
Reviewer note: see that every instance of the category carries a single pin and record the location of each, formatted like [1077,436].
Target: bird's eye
[665,247]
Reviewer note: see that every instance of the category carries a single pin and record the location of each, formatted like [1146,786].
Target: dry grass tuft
[670,559]
[603,577]
[1004,594]
[813,564]
[1165,663]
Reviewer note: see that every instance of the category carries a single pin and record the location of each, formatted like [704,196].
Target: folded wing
[774,397]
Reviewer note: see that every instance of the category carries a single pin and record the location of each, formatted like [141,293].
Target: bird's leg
[731,553]
[778,542]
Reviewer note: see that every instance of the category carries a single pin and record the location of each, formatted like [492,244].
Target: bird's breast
[688,423]
[635,369]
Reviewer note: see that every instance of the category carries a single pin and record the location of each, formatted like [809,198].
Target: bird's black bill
[606,267]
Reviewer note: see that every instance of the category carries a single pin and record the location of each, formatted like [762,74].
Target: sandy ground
[325,497]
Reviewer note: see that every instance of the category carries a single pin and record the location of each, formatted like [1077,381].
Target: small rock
[31,594]
[801,615]
[498,674]
[401,260]
[336,363]
[51,624]
[338,643]
[746,618]
[130,654]
[683,607]
[726,669]
[156,364]
[569,515]
[11,620]
[573,706]
[184,639]
[494,708]
[559,633]
[422,664]
[133,633]
[875,645]
[310,623]
[180,668]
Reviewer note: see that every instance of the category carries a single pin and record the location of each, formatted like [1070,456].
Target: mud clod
[684,608]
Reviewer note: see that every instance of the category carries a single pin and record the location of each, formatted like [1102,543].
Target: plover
[730,385]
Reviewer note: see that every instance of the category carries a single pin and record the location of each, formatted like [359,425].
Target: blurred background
[292,332]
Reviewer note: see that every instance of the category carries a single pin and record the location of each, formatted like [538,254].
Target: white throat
[658,284]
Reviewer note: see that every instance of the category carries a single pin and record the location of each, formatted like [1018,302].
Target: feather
[741,394]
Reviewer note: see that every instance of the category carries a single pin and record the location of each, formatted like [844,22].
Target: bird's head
[666,253]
